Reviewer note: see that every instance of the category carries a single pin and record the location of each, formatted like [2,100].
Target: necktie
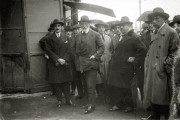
[102,36]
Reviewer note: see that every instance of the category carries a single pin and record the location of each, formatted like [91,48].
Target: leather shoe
[114,108]
[89,109]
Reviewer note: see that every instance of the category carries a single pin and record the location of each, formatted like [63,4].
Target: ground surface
[43,106]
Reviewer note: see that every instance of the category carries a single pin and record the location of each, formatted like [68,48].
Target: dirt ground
[43,106]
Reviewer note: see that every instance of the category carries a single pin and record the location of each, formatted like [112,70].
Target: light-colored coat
[105,58]
[163,47]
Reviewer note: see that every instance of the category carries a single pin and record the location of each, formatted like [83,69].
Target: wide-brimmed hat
[100,22]
[176,19]
[76,26]
[124,20]
[112,24]
[158,12]
[56,21]
[84,18]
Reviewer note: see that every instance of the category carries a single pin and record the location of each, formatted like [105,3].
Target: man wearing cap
[77,74]
[105,58]
[88,48]
[58,50]
[68,30]
[115,39]
[124,63]
[158,64]
[76,29]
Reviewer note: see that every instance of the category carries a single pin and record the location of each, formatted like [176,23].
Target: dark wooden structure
[22,24]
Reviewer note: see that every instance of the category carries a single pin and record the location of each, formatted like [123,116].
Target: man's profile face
[57,28]
[157,21]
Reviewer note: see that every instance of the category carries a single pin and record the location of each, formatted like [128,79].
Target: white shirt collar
[58,34]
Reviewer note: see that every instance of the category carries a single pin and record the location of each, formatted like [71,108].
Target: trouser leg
[58,89]
[90,78]
[66,91]
[79,83]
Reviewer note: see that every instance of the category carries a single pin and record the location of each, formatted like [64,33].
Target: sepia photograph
[89,60]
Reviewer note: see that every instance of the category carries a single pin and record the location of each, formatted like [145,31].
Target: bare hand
[61,61]
[131,59]
[92,57]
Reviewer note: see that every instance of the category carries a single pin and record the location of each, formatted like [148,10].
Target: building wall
[39,14]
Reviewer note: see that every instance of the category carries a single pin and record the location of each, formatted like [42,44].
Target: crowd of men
[113,61]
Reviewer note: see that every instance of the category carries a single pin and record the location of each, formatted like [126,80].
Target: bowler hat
[158,12]
[124,20]
[76,26]
[100,22]
[56,21]
[176,19]
[84,18]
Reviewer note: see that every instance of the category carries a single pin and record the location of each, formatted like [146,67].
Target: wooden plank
[39,71]
[34,42]
[40,14]
[13,73]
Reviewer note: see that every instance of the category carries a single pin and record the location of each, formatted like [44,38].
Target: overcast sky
[130,8]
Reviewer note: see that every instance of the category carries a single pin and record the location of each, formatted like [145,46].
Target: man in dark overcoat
[58,50]
[158,63]
[124,63]
[88,49]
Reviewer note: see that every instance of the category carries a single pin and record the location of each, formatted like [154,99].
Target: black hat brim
[164,15]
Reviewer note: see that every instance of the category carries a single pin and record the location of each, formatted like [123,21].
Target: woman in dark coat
[58,50]
[124,63]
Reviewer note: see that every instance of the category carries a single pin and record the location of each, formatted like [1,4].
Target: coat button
[157,57]
[159,46]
